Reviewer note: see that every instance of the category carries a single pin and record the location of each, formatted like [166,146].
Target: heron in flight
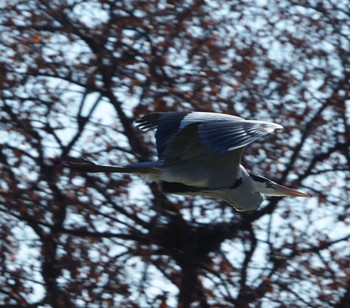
[200,153]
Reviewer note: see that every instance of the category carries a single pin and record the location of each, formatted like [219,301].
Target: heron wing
[184,136]
[187,146]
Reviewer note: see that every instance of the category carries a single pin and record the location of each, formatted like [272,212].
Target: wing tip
[278,128]
[148,121]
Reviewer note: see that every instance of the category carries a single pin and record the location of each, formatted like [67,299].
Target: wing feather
[223,136]
[167,124]
[203,135]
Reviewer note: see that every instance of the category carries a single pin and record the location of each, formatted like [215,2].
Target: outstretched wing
[184,136]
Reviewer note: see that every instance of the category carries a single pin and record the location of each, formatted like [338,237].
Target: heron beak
[285,191]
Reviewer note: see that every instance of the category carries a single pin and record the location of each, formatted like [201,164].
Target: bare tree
[74,75]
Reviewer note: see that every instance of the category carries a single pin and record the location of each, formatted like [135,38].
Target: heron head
[267,187]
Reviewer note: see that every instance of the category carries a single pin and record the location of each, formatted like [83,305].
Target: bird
[200,153]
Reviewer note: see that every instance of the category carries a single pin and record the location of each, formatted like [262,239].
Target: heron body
[199,153]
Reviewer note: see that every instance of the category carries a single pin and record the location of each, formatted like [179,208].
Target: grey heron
[199,153]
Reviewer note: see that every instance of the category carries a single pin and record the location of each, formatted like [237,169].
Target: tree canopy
[76,74]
